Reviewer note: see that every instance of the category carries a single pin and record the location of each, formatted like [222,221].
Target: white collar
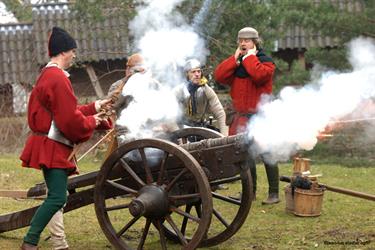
[52,64]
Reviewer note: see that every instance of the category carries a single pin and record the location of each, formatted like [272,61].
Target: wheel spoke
[132,173]
[122,187]
[160,228]
[220,218]
[184,196]
[225,198]
[144,234]
[179,234]
[186,215]
[126,227]
[171,184]
[225,180]
[185,220]
[149,178]
[162,168]
[198,209]
[117,207]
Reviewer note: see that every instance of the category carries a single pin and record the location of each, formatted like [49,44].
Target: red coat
[246,91]
[53,96]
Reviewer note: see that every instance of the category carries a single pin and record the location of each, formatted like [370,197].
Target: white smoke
[151,108]
[165,40]
[5,15]
[293,121]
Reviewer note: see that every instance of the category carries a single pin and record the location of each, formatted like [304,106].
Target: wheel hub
[152,202]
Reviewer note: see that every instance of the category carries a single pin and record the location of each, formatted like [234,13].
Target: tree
[340,19]
[20,9]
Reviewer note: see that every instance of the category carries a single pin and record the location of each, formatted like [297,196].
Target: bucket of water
[308,202]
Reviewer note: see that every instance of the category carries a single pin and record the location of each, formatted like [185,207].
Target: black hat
[60,41]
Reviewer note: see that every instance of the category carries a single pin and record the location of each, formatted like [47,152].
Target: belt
[56,135]
[248,115]
[39,133]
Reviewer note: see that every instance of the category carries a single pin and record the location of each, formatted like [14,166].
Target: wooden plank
[95,81]
[22,194]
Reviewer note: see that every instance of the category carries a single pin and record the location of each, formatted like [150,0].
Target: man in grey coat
[198,99]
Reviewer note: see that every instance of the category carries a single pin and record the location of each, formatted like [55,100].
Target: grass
[345,223]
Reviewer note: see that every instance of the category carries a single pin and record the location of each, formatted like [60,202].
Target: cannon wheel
[239,210]
[122,219]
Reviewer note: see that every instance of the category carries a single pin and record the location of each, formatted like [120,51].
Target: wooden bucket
[289,201]
[300,165]
[308,202]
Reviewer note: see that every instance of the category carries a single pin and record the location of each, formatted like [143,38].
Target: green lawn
[345,223]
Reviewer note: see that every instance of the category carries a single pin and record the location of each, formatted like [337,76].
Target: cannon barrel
[241,142]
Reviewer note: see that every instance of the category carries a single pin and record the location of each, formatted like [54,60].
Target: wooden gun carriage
[165,188]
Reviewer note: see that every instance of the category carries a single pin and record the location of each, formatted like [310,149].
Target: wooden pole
[96,144]
[337,189]
[94,81]
[349,192]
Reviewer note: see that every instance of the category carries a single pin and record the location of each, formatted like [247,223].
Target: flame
[323,135]
[339,124]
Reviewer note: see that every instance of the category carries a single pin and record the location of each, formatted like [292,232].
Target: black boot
[273,198]
[272,171]
[253,172]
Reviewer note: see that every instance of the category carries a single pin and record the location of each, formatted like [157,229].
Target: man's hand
[99,118]
[105,104]
[237,54]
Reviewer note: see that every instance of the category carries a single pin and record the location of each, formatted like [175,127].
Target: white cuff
[97,106]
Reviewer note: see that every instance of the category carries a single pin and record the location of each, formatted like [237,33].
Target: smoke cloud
[165,40]
[293,121]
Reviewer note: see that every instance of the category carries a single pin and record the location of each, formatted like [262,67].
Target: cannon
[163,188]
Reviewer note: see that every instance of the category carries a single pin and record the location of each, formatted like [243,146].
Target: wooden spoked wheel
[229,213]
[140,189]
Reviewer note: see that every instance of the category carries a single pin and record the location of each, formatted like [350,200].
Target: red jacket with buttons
[53,97]
[246,88]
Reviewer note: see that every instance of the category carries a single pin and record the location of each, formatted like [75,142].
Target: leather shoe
[273,198]
[27,246]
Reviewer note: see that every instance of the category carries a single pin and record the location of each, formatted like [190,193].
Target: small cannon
[151,187]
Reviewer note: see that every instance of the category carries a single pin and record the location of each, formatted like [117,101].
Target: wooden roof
[17,55]
[23,47]
[298,38]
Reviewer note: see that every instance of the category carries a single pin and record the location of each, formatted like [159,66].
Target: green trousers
[272,171]
[56,181]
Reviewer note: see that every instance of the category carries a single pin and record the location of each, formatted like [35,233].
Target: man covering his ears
[249,74]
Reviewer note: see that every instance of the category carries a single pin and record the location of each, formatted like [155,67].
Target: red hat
[60,41]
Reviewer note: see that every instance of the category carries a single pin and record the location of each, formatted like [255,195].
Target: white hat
[248,32]
[191,64]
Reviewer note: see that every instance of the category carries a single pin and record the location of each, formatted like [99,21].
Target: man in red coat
[57,122]
[249,74]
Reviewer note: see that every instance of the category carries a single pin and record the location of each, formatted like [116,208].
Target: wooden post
[301,59]
[300,165]
[94,80]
